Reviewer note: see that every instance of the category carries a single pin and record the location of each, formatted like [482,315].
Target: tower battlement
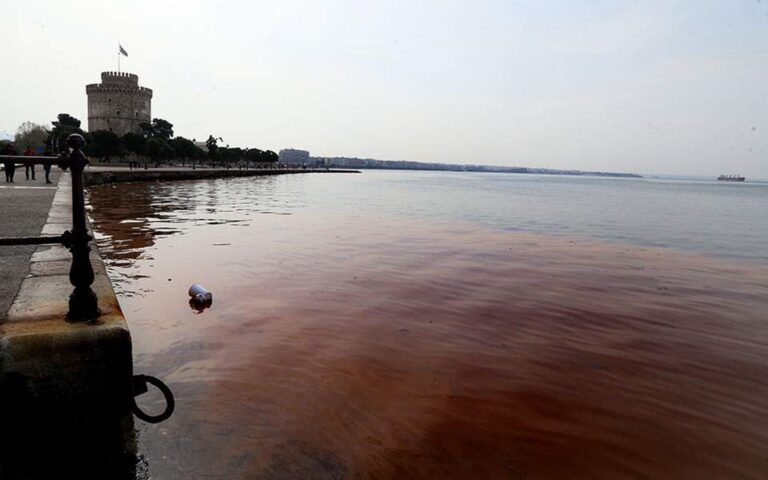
[118,104]
[121,78]
[106,88]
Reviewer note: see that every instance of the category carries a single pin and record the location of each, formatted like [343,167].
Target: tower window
[118,112]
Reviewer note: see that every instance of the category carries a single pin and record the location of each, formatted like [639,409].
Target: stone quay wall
[65,387]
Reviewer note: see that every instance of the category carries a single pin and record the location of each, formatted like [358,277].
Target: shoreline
[94,176]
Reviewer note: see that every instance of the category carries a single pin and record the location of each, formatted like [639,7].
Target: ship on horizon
[731,178]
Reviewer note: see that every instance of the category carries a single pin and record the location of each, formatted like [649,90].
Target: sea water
[400,324]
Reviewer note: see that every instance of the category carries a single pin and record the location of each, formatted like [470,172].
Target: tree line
[155,144]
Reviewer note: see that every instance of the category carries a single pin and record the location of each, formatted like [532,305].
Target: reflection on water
[348,344]
[139,213]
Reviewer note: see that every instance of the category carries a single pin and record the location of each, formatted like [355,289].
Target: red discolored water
[377,347]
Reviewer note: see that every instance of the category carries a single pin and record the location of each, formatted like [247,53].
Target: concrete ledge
[101,177]
[65,388]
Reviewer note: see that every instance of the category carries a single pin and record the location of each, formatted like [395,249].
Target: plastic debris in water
[200,298]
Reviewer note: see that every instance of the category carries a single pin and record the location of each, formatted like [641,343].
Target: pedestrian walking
[29,166]
[47,166]
[9,165]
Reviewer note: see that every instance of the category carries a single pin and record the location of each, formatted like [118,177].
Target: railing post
[83,302]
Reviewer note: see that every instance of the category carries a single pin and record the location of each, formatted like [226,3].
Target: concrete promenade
[24,207]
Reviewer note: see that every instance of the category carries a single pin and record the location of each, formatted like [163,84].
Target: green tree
[199,155]
[252,155]
[103,144]
[162,129]
[159,150]
[224,156]
[135,143]
[159,128]
[66,120]
[269,156]
[30,135]
[146,129]
[239,155]
[231,156]
[64,126]
[184,148]
[213,148]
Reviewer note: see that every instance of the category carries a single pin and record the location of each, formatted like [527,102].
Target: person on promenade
[47,166]
[29,166]
[10,165]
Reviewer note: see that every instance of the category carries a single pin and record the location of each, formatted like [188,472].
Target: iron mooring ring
[140,386]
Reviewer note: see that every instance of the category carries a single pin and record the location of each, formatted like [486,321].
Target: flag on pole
[122,50]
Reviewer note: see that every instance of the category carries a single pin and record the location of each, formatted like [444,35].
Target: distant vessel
[731,178]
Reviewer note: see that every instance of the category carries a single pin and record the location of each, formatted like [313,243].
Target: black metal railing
[83,302]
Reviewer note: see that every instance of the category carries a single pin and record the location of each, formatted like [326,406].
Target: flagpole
[118,57]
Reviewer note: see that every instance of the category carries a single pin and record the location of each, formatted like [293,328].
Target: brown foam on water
[373,348]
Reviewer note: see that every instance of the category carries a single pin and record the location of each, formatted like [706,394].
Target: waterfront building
[293,156]
[118,103]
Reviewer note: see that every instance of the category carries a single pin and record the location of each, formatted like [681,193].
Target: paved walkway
[24,207]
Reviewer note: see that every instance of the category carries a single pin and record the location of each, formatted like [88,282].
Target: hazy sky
[665,86]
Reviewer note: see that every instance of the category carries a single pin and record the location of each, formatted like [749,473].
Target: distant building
[293,156]
[118,103]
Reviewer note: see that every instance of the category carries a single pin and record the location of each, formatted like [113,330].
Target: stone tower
[118,103]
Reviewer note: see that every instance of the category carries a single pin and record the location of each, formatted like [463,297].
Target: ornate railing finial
[83,302]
